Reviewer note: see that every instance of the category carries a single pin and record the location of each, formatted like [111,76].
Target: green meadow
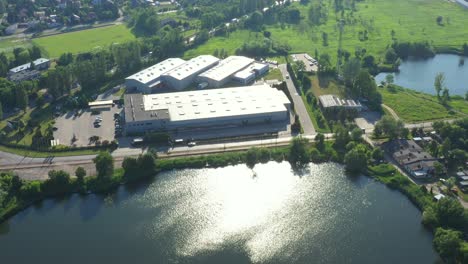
[84,40]
[411,20]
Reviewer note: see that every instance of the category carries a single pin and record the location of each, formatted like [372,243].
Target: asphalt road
[299,106]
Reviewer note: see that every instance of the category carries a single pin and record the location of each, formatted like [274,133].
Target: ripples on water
[264,215]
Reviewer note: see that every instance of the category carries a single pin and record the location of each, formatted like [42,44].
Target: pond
[419,75]
[226,215]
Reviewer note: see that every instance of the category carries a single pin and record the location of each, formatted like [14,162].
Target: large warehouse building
[223,72]
[208,109]
[181,77]
[149,79]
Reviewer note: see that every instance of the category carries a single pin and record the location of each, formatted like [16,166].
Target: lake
[419,75]
[226,215]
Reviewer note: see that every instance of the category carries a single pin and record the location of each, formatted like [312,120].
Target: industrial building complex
[205,70]
[206,109]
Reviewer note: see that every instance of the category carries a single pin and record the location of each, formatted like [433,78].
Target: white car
[192,144]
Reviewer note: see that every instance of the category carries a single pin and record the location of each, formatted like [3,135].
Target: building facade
[207,109]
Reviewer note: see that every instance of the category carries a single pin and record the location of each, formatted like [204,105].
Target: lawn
[325,85]
[412,20]
[413,106]
[7,45]
[274,74]
[84,40]
[43,117]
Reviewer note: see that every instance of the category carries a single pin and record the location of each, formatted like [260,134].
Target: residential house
[412,158]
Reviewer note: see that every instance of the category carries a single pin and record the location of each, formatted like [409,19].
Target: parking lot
[311,64]
[367,120]
[76,128]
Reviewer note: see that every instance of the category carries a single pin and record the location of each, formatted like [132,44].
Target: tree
[21,97]
[298,156]
[377,154]
[104,164]
[439,83]
[389,79]
[147,163]
[58,182]
[350,70]
[251,157]
[130,166]
[356,159]
[201,37]
[356,134]
[1,111]
[390,127]
[450,213]
[320,141]
[445,96]
[325,38]
[390,56]
[341,137]
[80,173]
[35,52]
[255,21]
[438,169]
[447,243]
[439,20]
[143,166]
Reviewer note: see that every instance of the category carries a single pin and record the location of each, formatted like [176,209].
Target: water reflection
[229,215]
[419,74]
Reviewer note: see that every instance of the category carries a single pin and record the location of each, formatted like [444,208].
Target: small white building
[331,101]
[249,74]
[39,64]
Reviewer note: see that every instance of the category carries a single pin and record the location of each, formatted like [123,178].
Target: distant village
[30,17]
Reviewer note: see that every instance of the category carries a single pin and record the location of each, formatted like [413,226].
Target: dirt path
[393,113]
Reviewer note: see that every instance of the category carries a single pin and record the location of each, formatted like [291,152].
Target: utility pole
[340,42]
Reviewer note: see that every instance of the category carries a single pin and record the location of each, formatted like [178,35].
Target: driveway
[299,106]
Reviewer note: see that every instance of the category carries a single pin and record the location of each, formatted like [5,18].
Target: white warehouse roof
[152,73]
[216,103]
[333,101]
[192,66]
[227,67]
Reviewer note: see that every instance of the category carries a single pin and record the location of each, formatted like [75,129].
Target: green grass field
[412,106]
[7,45]
[274,74]
[412,20]
[85,40]
[325,85]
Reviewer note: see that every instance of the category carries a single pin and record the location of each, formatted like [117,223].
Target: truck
[137,141]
